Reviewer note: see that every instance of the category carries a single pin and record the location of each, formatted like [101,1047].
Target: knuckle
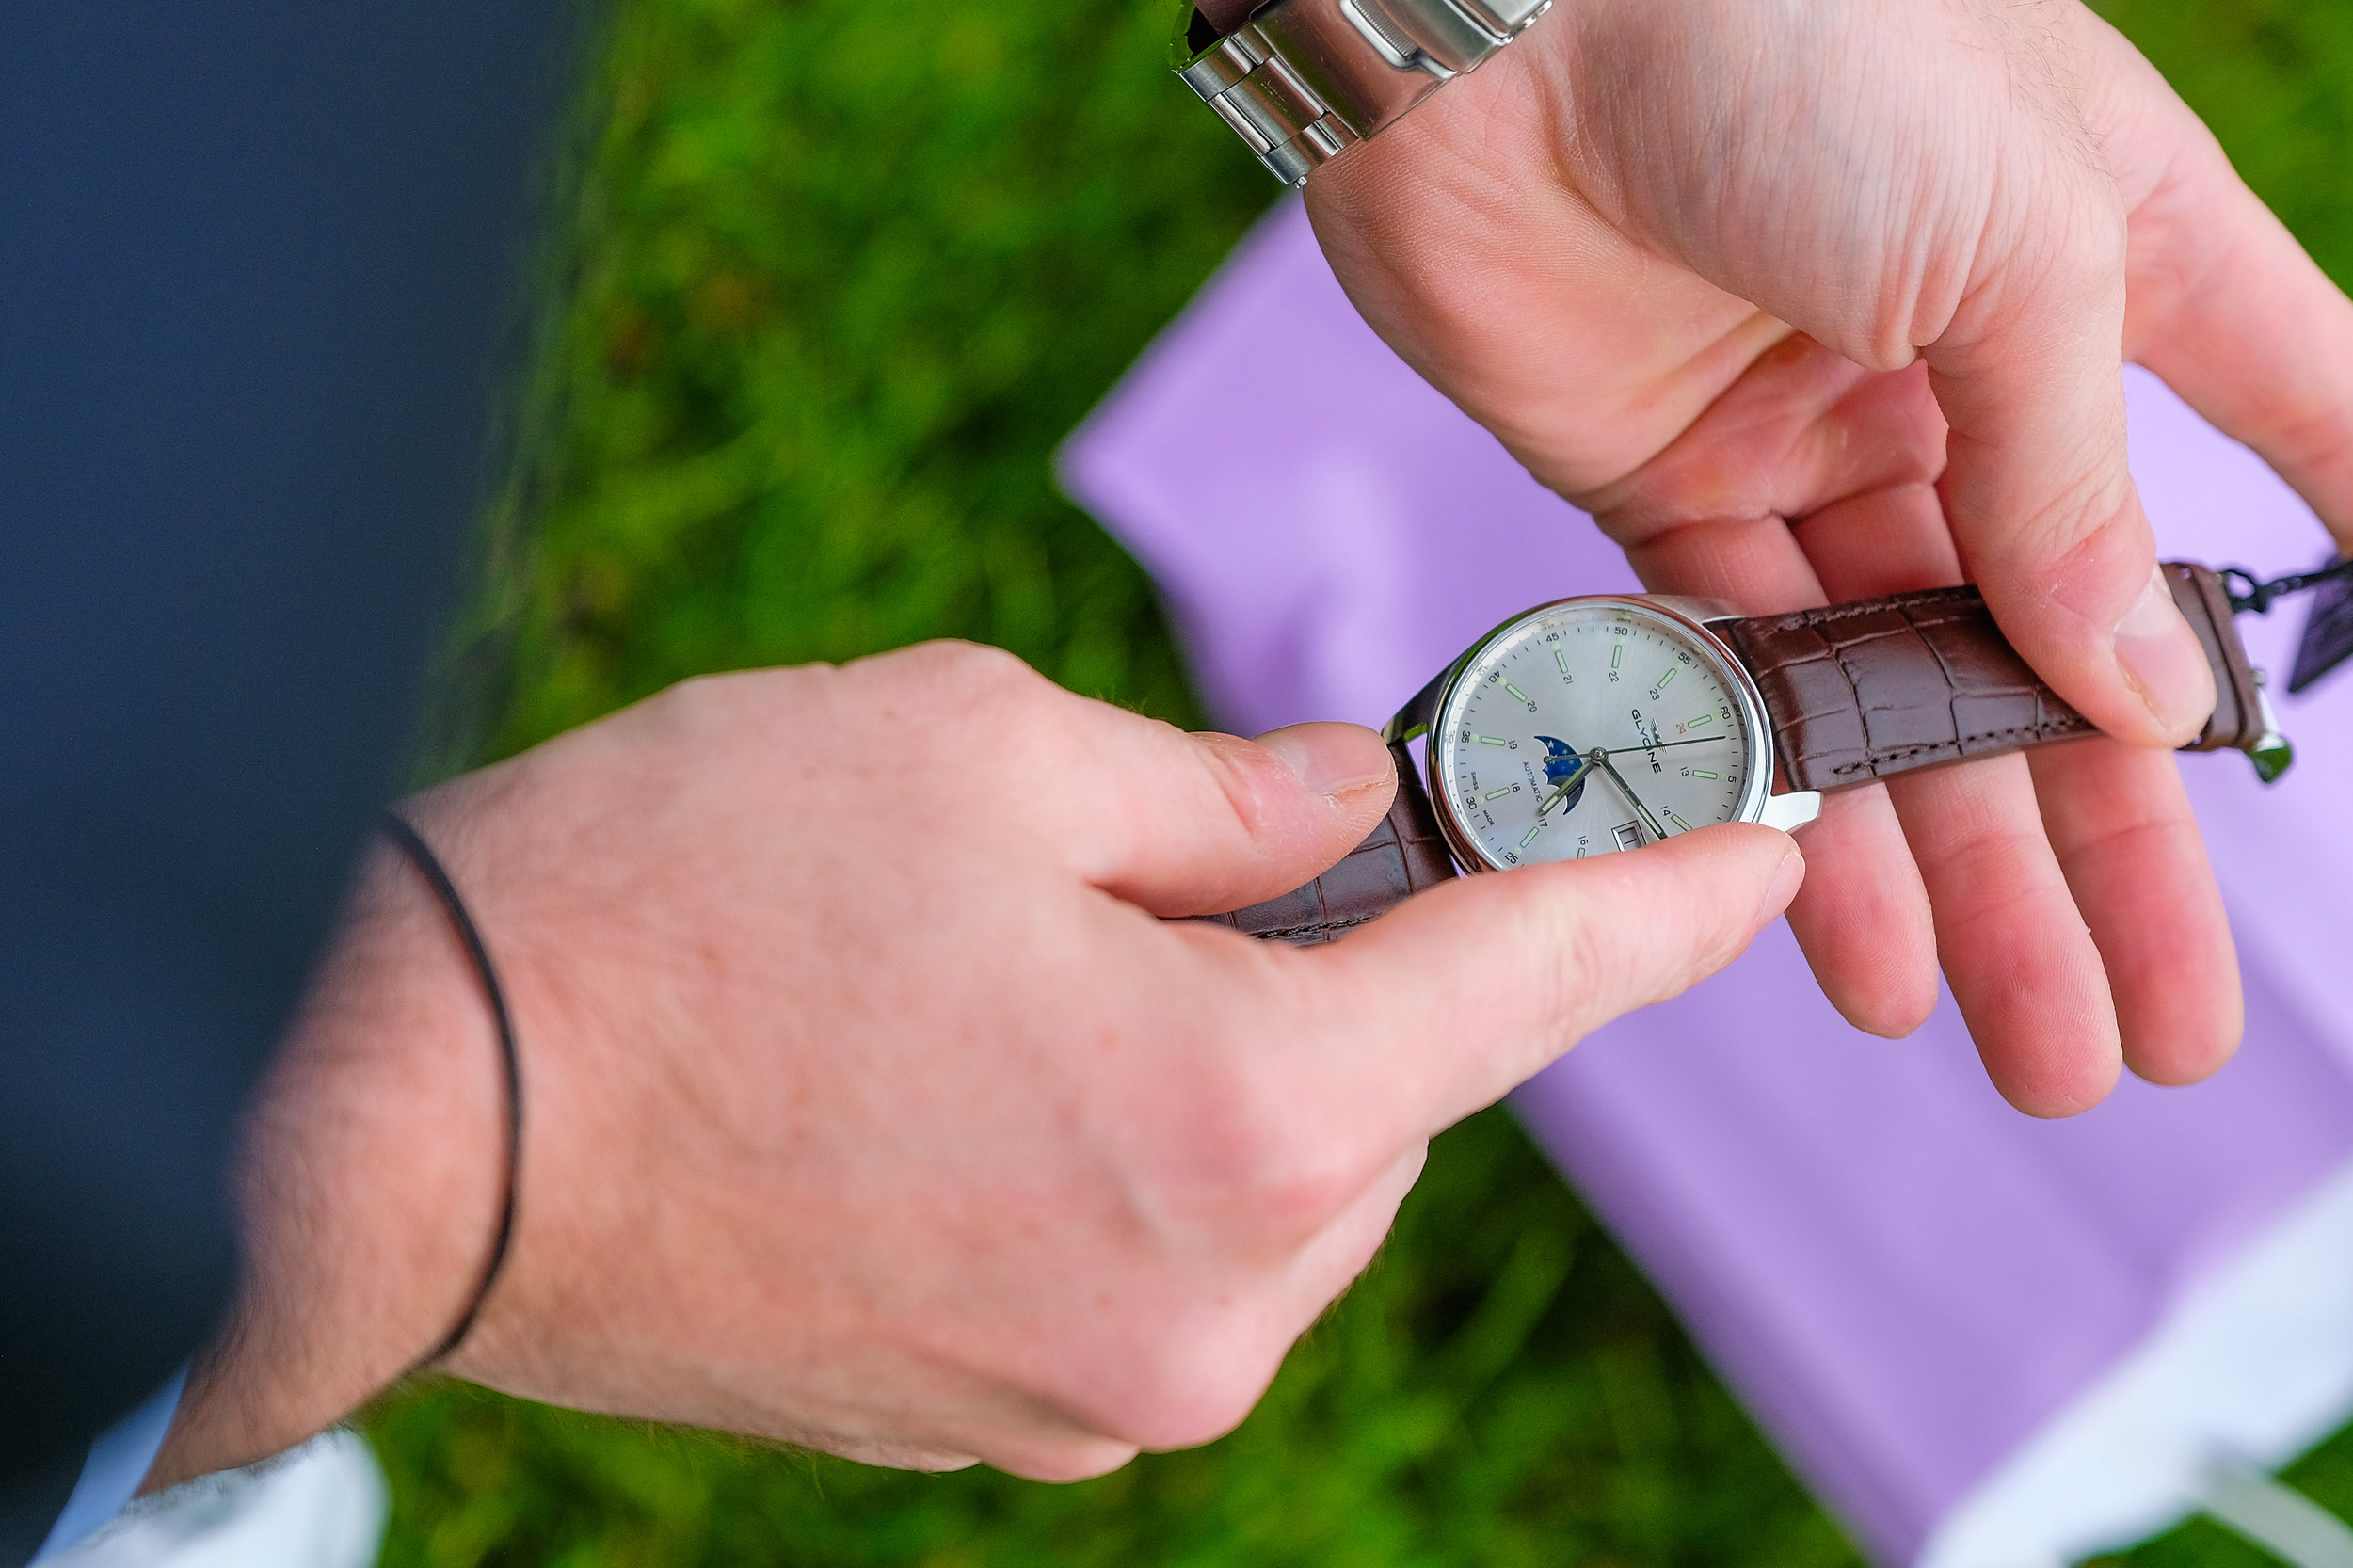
[954,670]
[1062,1462]
[704,703]
[1257,1162]
[967,686]
[1190,1385]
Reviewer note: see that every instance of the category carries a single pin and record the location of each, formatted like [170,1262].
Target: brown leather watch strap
[1855,692]
[1882,686]
[1401,855]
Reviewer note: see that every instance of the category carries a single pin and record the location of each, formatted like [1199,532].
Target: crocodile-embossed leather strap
[1400,856]
[1882,686]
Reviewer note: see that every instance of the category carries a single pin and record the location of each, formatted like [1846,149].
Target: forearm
[368,1186]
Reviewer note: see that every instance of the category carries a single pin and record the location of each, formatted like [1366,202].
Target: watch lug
[1412,721]
[1791,810]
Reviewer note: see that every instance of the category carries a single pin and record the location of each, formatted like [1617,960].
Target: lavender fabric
[1902,1278]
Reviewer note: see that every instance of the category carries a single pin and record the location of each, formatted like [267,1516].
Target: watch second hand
[1601,758]
[1661,746]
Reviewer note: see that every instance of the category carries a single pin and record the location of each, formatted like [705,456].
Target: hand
[906,1133]
[1810,302]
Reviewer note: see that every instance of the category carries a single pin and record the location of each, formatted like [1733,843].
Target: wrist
[370,1181]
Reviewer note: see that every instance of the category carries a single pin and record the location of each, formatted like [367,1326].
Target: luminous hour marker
[1490,739]
[1532,835]
[1664,678]
[1515,691]
[1679,821]
[1617,652]
[1561,659]
[1703,773]
[1497,795]
[1703,718]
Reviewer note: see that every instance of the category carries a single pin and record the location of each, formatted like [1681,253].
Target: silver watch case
[1695,620]
[1305,80]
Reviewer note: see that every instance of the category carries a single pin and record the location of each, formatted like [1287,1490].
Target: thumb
[1206,822]
[2029,374]
[1478,985]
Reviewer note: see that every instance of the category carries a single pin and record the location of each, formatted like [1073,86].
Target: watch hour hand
[1583,767]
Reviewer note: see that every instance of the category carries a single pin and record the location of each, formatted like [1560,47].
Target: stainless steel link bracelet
[1305,80]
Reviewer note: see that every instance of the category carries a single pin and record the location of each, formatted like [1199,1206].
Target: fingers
[2222,302]
[1810,423]
[2263,345]
[2028,371]
[1199,1377]
[1480,983]
[1954,865]
[1345,1245]
[2023,969]
[2120,824]
[1200,824]
[1862,917]
[2029,984]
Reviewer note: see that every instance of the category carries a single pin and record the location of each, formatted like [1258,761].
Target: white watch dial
[1591,727]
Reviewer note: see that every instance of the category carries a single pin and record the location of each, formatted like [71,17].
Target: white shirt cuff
[117,1462]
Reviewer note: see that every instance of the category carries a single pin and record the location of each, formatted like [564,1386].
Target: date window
[1629,835]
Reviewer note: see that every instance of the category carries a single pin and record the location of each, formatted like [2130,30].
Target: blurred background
[821,292]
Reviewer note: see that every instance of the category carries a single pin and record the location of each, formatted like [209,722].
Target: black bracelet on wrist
[420,854]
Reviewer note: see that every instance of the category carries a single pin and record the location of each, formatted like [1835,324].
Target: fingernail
[1329,759]
[1786,881]
[2160,655]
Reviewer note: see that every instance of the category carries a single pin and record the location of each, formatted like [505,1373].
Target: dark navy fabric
[258,266]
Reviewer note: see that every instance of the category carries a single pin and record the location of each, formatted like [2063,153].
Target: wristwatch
[1302,81]
[1600,724]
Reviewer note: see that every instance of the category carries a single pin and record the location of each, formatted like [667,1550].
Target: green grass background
[827,282]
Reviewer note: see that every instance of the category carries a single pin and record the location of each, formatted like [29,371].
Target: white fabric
[2253,1366]
[322,1505]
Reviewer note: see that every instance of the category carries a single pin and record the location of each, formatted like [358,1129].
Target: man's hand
[1811,301]
[900,1128]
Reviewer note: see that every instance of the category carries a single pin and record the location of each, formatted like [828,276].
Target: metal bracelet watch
[1302,81]
[1599,723]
